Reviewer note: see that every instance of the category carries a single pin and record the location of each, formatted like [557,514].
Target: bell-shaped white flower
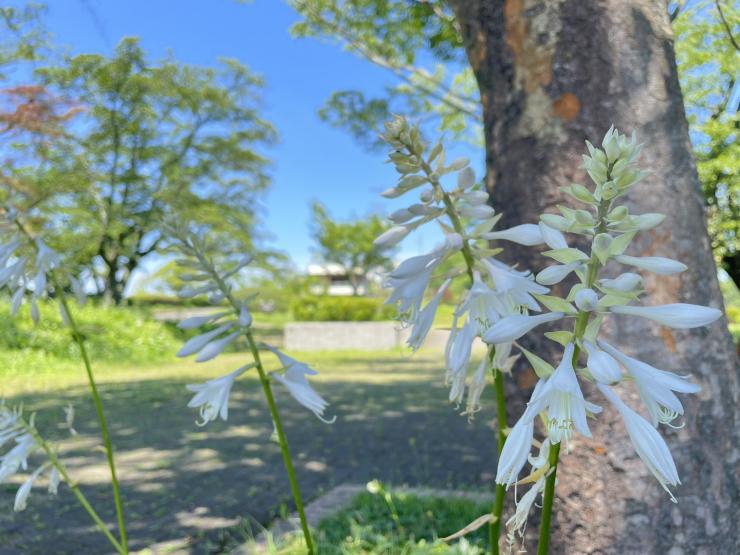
[195,344]
[655,264]
[518,521]
[392,237]
[483,305]
[423,321]
[624,283]
[476,387]
[566,407]
[655,386]
[586,300]
[213,396]
[553,237]
[515,452]
[602,366]
[295,381]
[557,273]
[678,315]
[518,285]
[21,496]
[648,443]
[524,234]
[459,346]
[511,328]
[17,457]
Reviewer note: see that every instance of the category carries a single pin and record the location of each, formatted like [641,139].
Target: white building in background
[335,280]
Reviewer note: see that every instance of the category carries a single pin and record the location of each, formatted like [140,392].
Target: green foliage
[402,37]
[111,335]
[707,63]
[367,527]
[22,38]
[350,244]
[156,142]
[341,309]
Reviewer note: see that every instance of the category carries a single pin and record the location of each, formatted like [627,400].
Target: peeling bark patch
[668,339]
[566,106]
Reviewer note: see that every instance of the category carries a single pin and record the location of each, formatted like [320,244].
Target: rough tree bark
[553,73]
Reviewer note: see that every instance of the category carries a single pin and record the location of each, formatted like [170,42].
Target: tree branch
[726,25]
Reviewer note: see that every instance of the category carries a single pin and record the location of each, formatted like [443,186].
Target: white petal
[511,328]
[198,321]
[602,366]
[215,348]
[392,237]
[195,344]
[655,264]
[524,234]
[678,315]
[556,273]
[586,300]
[553,237]
[515,452]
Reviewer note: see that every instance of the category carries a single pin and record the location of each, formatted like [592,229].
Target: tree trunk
[552,74]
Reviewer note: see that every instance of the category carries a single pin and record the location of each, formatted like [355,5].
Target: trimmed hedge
[325,308]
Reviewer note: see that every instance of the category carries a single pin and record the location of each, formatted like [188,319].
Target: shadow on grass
[184,482]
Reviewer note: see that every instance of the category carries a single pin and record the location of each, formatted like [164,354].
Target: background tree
[418,42]
[349,244]
[158,141]
[707,53]
[552,74]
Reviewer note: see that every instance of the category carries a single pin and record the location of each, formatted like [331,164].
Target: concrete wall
[363,336]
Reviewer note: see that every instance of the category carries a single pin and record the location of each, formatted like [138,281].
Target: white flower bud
[586,300]
[524,234]
[392,237]
[655,264]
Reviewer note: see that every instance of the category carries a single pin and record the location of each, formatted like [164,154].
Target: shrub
[341,309]
[111,335]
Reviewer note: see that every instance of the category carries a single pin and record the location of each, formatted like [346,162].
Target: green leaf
[556,304]
[566,256]
[562,337]
[592,329]
[541,367]
[620,243]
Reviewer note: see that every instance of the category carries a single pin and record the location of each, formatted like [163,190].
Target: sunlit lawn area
[210,488]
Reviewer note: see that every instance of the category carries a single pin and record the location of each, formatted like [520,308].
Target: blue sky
[311,160]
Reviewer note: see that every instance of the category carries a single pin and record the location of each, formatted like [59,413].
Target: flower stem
[498,504]
[77,336]
[287,460]
[543,545]
[75,489]
[592,271]
[101,419]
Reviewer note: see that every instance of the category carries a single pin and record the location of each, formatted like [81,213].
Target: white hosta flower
[557,273]
[602,366]
[392,237]
[459,347]
[475,197]
[465,179]
[198,321]
[655,264]
[511,328]
[213,396]
[524,234]
[678,315]
[518,521]
[216,347]
[195,344]
[562,397]
[517,285]
[503,359]
[655,386]
[516,450]
[17,457]
[648,443]
[54,479]
[476,212]
[21,496]
[295,381]
[483,305]
[476,387]
[586,300]
[624,283]
[553,237]
[423,321]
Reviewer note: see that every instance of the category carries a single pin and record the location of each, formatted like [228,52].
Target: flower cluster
[495,292]
[205,277]
[25,442]
[558,397]
[30,268]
